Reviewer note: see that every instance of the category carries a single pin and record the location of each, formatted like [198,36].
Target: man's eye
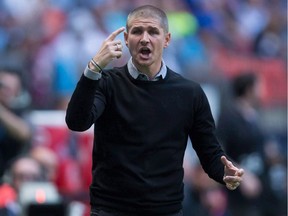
[154,32]
[136,31]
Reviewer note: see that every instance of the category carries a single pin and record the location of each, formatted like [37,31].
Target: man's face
[25,170]
[146,39]
[9,88]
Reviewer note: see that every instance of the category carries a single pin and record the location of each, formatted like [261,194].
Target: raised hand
[110,49]
[232,174]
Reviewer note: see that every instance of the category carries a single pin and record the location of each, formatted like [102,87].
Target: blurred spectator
[15,132]
[48,160]
[29,185]
[275,179]
[23,169]
[244,141]
[269,42]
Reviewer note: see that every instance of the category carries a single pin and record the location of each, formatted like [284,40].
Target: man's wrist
[92,68]
[95,65]
[93,75]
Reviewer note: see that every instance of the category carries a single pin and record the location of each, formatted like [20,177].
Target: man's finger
[232,179]
[226,162]
[114,34]
[240,172]
[232,186]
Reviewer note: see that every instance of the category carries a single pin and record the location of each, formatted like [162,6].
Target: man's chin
[143,62]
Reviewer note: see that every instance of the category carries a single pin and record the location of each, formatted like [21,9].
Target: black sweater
[141,130]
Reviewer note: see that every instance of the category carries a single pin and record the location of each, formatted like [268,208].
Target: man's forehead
[147,22]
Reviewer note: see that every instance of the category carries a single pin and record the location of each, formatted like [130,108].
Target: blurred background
[45,46]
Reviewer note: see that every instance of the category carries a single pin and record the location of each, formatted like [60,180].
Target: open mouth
[145,52]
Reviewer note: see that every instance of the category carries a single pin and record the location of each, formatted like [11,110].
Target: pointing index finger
[226,162]
[114,34]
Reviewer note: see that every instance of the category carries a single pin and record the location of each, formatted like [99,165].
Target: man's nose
[145,38]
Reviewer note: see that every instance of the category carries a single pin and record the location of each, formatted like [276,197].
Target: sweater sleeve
[86,104]
[204,140]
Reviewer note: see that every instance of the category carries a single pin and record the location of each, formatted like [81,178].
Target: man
[143,114]
[22,169]
[15,131]
[243,139]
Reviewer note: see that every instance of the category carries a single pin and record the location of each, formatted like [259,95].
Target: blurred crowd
[46,44]
[51,41]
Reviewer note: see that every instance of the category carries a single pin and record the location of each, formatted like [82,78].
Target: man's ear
[167,39]
[126,38]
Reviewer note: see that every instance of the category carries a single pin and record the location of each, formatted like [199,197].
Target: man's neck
[151,70]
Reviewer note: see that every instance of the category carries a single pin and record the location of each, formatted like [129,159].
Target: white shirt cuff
[92,75]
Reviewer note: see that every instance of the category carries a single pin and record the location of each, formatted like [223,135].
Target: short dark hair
[11,70]
[242,83]
[149,11]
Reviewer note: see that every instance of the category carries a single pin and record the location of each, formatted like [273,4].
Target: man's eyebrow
[136,27]
[141,27]
[153,28]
